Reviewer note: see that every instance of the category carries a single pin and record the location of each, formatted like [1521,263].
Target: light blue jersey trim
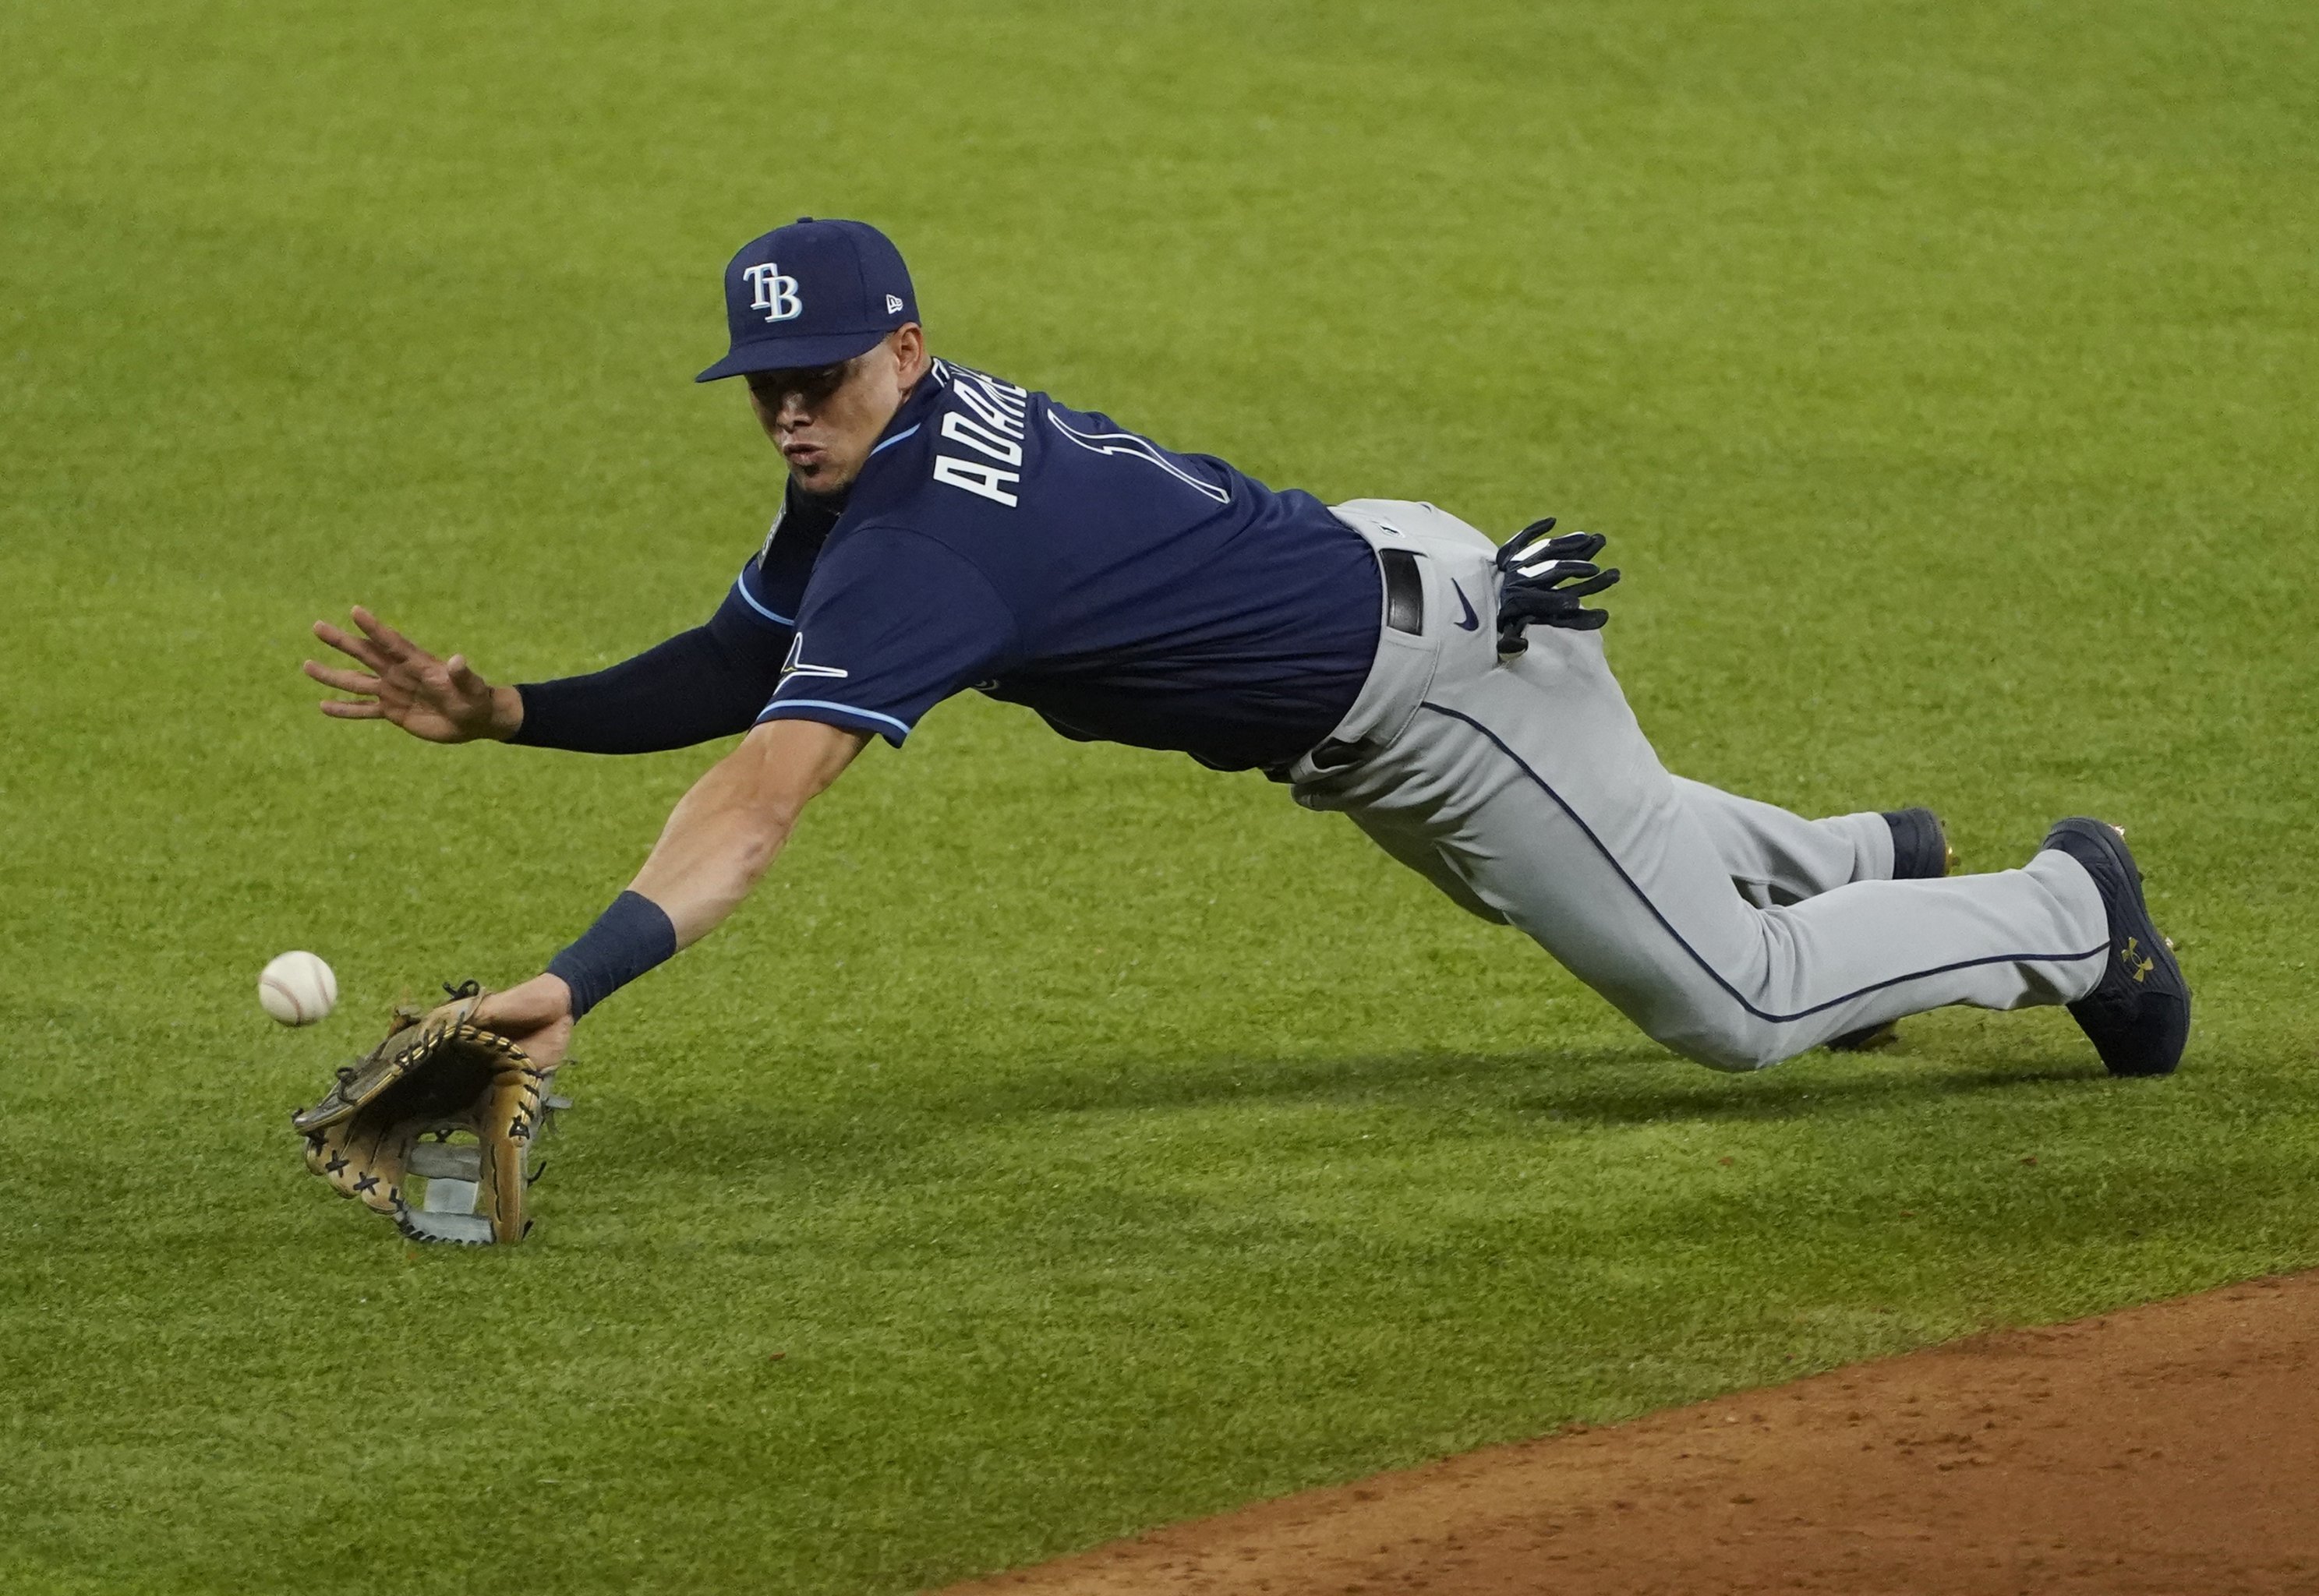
[898,437]
[901,727]
[741,586]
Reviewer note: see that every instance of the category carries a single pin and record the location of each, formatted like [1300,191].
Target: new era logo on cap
[812,293]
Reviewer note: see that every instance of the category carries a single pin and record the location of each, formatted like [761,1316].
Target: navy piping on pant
[1696,957]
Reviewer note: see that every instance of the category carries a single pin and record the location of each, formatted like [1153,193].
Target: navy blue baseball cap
[812,293]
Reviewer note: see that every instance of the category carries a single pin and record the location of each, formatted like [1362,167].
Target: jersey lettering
[977,478]
[1000,388]
[988,393]
[988,406]
[980,439]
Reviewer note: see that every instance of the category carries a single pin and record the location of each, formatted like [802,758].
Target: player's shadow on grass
[1605,1087]
[877,1117]
[1165,1082]
[1800,1094]
[1624,1084]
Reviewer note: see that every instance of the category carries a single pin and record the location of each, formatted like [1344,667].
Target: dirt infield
[2169,1448]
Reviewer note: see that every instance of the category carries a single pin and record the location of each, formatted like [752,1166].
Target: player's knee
[1736,1046]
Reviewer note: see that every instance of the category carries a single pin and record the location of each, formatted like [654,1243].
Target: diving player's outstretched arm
[720,839]
[725,832]
[436,700]
[698,685]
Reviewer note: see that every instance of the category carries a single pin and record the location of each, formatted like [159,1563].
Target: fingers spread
[380,633]
[346,681]
[353,648]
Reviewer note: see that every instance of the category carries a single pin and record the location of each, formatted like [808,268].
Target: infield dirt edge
[2169,1447]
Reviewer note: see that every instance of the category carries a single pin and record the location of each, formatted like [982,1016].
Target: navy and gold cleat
[2139,1017]
[1920,845]
[1920,852]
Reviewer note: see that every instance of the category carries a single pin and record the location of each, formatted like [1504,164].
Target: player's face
[826,419]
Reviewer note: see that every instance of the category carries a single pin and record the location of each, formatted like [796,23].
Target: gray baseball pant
[1525,790]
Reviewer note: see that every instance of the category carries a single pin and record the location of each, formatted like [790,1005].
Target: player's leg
[1410,845]
[1527,784]
[1771,855]
[1582,840]
[1540,794]
[1775,857]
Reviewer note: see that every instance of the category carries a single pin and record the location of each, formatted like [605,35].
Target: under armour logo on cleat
[2134,960]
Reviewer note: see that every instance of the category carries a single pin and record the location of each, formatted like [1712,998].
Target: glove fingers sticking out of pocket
[394,1114]
[1542,579]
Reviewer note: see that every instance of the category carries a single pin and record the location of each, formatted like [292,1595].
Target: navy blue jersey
[1050,557]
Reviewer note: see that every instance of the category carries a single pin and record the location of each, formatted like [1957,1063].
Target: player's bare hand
[439,701]
[537,1013]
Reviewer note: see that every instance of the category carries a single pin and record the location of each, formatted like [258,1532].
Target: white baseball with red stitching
[297,988]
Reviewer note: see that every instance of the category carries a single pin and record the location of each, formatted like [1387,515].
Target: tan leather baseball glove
[441,1099]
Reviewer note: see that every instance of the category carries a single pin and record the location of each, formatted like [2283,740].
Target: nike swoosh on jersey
[1472,623]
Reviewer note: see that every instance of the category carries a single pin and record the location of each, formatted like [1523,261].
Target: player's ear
[909,346]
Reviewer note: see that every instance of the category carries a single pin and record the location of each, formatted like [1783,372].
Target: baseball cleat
[1920,852]
[2139,1017]
[1920,845]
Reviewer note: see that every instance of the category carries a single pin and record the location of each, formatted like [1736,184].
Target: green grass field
[1068,1140]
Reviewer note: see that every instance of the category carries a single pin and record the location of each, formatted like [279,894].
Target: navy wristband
[628,939]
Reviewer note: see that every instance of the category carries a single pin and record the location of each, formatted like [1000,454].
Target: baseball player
[943,529]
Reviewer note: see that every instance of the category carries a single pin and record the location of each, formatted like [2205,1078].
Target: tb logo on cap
[777,295]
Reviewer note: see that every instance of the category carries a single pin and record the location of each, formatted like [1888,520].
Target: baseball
[297,988]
